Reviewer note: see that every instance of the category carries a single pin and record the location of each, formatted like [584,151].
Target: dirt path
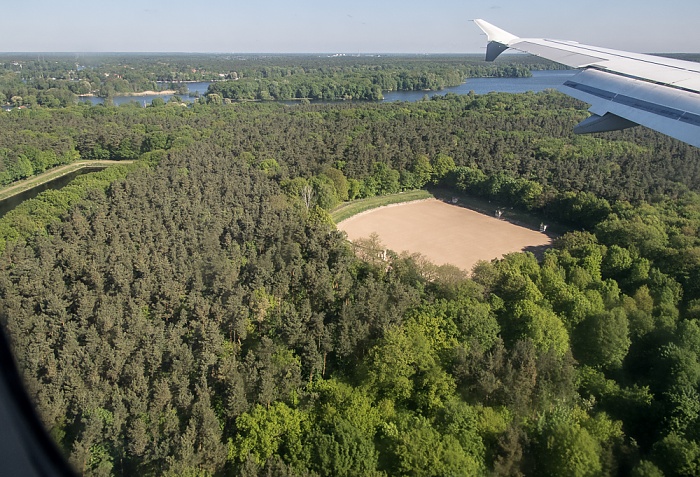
[49,175]
[444,233]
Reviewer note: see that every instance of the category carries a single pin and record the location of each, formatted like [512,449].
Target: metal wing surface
[624,89]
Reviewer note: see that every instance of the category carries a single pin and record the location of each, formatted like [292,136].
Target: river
[10,203]
[539,81]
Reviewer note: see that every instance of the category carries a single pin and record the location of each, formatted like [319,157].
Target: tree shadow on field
[538,250]
[530,220]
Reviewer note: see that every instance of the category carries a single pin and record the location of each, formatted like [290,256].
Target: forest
[197,312]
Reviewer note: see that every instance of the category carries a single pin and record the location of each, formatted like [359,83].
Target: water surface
[55,184]
[539,81]
[198,87]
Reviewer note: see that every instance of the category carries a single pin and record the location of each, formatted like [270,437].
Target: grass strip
[60,171]
[354,207]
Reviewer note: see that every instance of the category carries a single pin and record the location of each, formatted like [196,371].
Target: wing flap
[604,123]
[671,111]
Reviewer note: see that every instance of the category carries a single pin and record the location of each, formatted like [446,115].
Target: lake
[199,87]
[539,81]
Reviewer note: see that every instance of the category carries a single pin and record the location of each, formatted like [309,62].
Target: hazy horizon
[316,27]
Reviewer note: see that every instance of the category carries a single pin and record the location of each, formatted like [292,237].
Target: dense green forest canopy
[198,313]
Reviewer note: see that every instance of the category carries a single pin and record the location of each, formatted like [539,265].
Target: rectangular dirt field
[443,232]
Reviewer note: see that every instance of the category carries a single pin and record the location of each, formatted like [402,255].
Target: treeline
[203,316]
[33,152]
[37,140]
[295,87]
[55,80]
[364,84]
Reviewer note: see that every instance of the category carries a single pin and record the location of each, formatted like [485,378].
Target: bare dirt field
[443,232]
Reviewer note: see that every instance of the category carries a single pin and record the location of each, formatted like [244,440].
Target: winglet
[498,39]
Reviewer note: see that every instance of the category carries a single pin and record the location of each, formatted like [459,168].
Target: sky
[328,26]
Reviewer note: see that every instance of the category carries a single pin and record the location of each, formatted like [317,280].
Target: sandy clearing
[443,232]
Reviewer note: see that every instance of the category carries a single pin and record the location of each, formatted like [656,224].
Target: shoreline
[140,93]
[150,93]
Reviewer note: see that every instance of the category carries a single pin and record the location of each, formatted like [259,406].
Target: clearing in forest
[443,233]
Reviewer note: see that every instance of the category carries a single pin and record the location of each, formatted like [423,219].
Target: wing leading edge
[624,89]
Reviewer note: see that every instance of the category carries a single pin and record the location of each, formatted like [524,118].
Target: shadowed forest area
[197,312]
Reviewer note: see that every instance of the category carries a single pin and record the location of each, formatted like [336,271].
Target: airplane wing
[624,89]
